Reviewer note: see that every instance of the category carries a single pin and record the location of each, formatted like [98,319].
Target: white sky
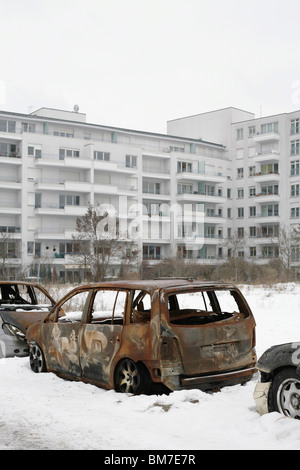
[137,63]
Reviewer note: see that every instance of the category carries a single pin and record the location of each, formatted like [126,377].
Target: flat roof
[112,128]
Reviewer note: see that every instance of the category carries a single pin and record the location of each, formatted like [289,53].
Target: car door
[101,334]
[61,337]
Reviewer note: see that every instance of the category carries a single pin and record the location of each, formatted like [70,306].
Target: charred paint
[179,348]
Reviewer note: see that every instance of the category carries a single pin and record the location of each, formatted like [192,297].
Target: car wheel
[36,359]
[132,377]
[284,393]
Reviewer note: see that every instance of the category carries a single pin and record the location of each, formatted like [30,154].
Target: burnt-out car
[138,336]
[21,304]
[279,385]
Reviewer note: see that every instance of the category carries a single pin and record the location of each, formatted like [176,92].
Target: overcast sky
[137,63]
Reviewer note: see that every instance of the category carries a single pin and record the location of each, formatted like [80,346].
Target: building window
[240,134]
[252,191]
[295,147]
[240,172]
[251,131]
[269,168]
[270,127]
[151,252]
[295,212]
[64,133]
[240,193]
[184,189]
[295,168]
[294,190]
[240,232]
[184,167]
[240,212]
[268,190]
[7,126]
[101,156]
[252,232]
[251,170]
[295,126]
[269,210]
[150,187]
[70,153]
[252,211]
[68,200]
[252,252]
[28,127]
[131,161]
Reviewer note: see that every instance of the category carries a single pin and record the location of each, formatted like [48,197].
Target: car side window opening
[141,307]
[108,306]
[71,310]
[17,294]
[193,308]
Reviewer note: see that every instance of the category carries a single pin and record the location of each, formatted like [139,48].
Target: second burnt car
[21,304]
[137,336]
[279,385]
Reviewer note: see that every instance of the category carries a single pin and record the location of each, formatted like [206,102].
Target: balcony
[10,207]
[54,184]
[57,209]
[198,176]
[197,196]
[268,136]
[268,177]
[10,182]
[265,198]
[267,157]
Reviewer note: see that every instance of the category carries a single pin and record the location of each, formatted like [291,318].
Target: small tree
[97,234]
[288,243]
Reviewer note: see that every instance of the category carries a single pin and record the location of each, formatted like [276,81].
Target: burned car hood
[279,355]
[23,318]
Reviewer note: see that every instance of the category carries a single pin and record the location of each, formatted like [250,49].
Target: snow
[42,411]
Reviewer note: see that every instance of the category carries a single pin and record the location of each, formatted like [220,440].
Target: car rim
[288,398]
[128,377]
[36,359]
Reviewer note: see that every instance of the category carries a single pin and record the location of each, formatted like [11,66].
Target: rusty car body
[21,304]
[279,385]
[138,336]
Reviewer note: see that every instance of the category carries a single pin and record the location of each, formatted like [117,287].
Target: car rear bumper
[208,382]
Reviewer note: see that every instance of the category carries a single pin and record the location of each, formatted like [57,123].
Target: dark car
[279,386]
[21,305]
[135,336]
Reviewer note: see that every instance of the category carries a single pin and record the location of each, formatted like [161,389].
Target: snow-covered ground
[42,411]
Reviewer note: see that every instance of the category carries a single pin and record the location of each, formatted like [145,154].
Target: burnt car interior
[201,307]
[10,295]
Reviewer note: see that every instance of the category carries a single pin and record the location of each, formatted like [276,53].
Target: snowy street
[42,411]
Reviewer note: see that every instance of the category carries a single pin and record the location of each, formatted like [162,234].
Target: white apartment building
[212,177]
[264,154]
[170,192]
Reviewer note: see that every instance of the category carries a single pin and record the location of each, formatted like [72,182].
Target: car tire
[36,359]
[284,395]
[132,377]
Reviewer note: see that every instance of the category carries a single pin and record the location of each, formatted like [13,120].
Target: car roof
[159,283]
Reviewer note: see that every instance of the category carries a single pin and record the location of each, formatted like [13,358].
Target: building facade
[264,156]
[168,192]
[211,178]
